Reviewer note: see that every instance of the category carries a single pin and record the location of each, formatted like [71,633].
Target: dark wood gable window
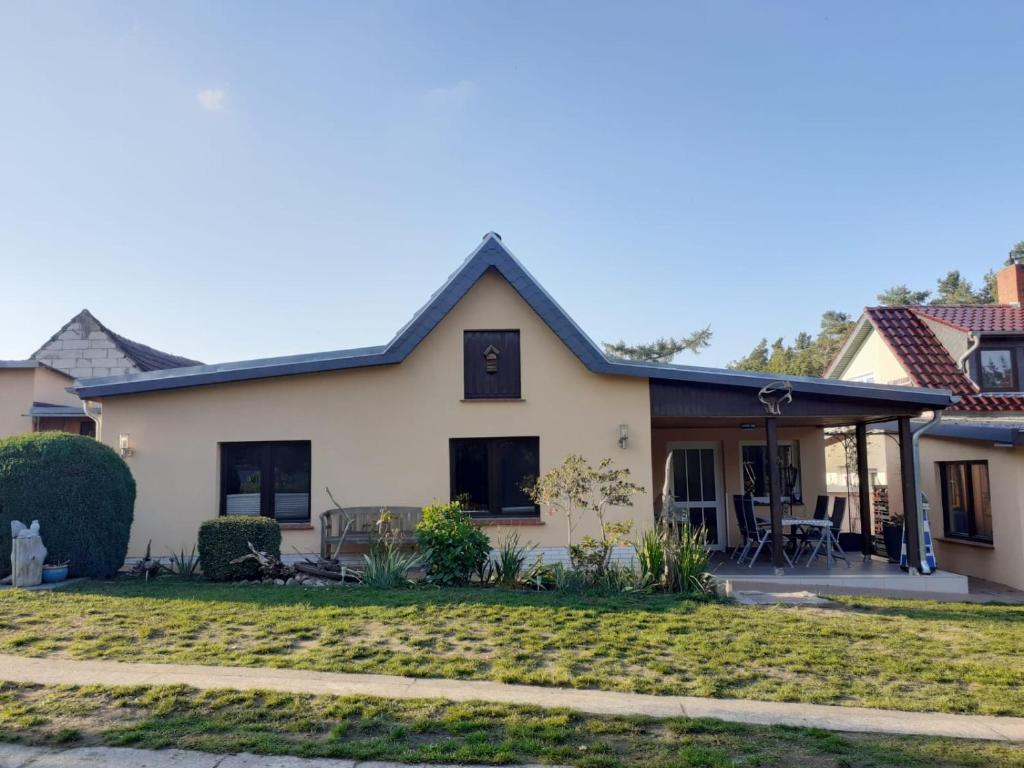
[269,479]
[490,361]
[490,472]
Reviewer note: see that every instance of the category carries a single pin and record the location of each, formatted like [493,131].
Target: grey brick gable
[85,348]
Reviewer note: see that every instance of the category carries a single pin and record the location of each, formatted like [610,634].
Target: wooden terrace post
[864,488]
[909,483]
[775,493]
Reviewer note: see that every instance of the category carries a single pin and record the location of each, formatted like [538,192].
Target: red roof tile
[929,363]
[976,317]
[990,403]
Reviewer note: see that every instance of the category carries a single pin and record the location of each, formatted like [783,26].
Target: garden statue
[27,554]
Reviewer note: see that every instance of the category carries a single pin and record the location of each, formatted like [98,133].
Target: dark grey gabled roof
[491,254]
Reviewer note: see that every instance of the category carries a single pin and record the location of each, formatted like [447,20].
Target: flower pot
[54,573]
[893,536]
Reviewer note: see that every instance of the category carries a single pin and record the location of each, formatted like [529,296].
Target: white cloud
[212,99]
[455,94]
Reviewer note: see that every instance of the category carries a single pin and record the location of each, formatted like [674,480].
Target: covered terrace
[732,433]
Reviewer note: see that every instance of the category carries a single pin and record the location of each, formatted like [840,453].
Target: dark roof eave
[917,396]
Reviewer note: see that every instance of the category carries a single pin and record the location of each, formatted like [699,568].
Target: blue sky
[231,180]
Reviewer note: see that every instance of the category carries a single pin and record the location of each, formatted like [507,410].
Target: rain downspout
[95,416]
[915,441]
[973,340]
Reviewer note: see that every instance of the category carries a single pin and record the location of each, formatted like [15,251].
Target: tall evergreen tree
[954,289]
[808,355]
[902,296]
[661,350]
[1016,255]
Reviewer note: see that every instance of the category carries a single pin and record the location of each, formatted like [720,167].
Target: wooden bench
[357,526]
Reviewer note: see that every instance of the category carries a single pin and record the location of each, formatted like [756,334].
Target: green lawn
[879,653]
[436,731]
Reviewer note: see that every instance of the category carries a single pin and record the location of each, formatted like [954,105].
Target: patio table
[812,523]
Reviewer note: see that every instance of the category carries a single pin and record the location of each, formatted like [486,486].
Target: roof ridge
[492,254]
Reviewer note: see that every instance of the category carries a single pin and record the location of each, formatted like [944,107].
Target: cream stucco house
[972,461]
[489,383]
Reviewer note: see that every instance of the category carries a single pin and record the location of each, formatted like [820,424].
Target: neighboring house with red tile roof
[972,463]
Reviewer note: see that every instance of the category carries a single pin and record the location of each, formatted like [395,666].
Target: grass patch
[868,652]
[438,731]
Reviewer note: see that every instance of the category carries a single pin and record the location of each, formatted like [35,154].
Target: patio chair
[820,536]
[802,533]
[759,531]
[740,551]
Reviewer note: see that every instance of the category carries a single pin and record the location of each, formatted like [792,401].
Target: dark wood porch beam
[909,483]
[864,489]
[775,491]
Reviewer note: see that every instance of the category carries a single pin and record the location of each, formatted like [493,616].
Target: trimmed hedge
[224,539]
[80,491]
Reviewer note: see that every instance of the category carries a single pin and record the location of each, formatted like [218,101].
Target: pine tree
[661,350]
[902,296]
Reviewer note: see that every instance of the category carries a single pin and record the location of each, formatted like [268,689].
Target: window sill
[481,522]
[493,400]
[965,542]
[295,526]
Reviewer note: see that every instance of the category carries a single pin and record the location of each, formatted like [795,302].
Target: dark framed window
[966,500]
[491,365]
[267,478]
[489,473]
[754,461]
[997,370]
[87,428]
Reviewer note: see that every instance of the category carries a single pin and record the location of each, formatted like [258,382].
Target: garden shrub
[453,547]
[80,491]
[224,539]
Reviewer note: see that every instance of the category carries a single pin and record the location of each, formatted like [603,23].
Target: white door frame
[716,448]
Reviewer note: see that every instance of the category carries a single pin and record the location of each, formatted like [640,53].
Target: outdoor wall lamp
[123,442]
[623,435]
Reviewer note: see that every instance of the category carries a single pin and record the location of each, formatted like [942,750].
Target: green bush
[224,539]
[453,547]
[80,491]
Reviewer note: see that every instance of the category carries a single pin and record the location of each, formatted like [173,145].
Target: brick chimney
[1010,285]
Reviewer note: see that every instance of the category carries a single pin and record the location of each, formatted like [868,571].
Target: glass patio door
[697,488]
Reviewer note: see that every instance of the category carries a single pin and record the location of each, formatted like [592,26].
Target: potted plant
[55,572]
[892,533]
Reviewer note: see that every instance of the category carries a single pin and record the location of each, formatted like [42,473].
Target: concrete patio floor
[872,577]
